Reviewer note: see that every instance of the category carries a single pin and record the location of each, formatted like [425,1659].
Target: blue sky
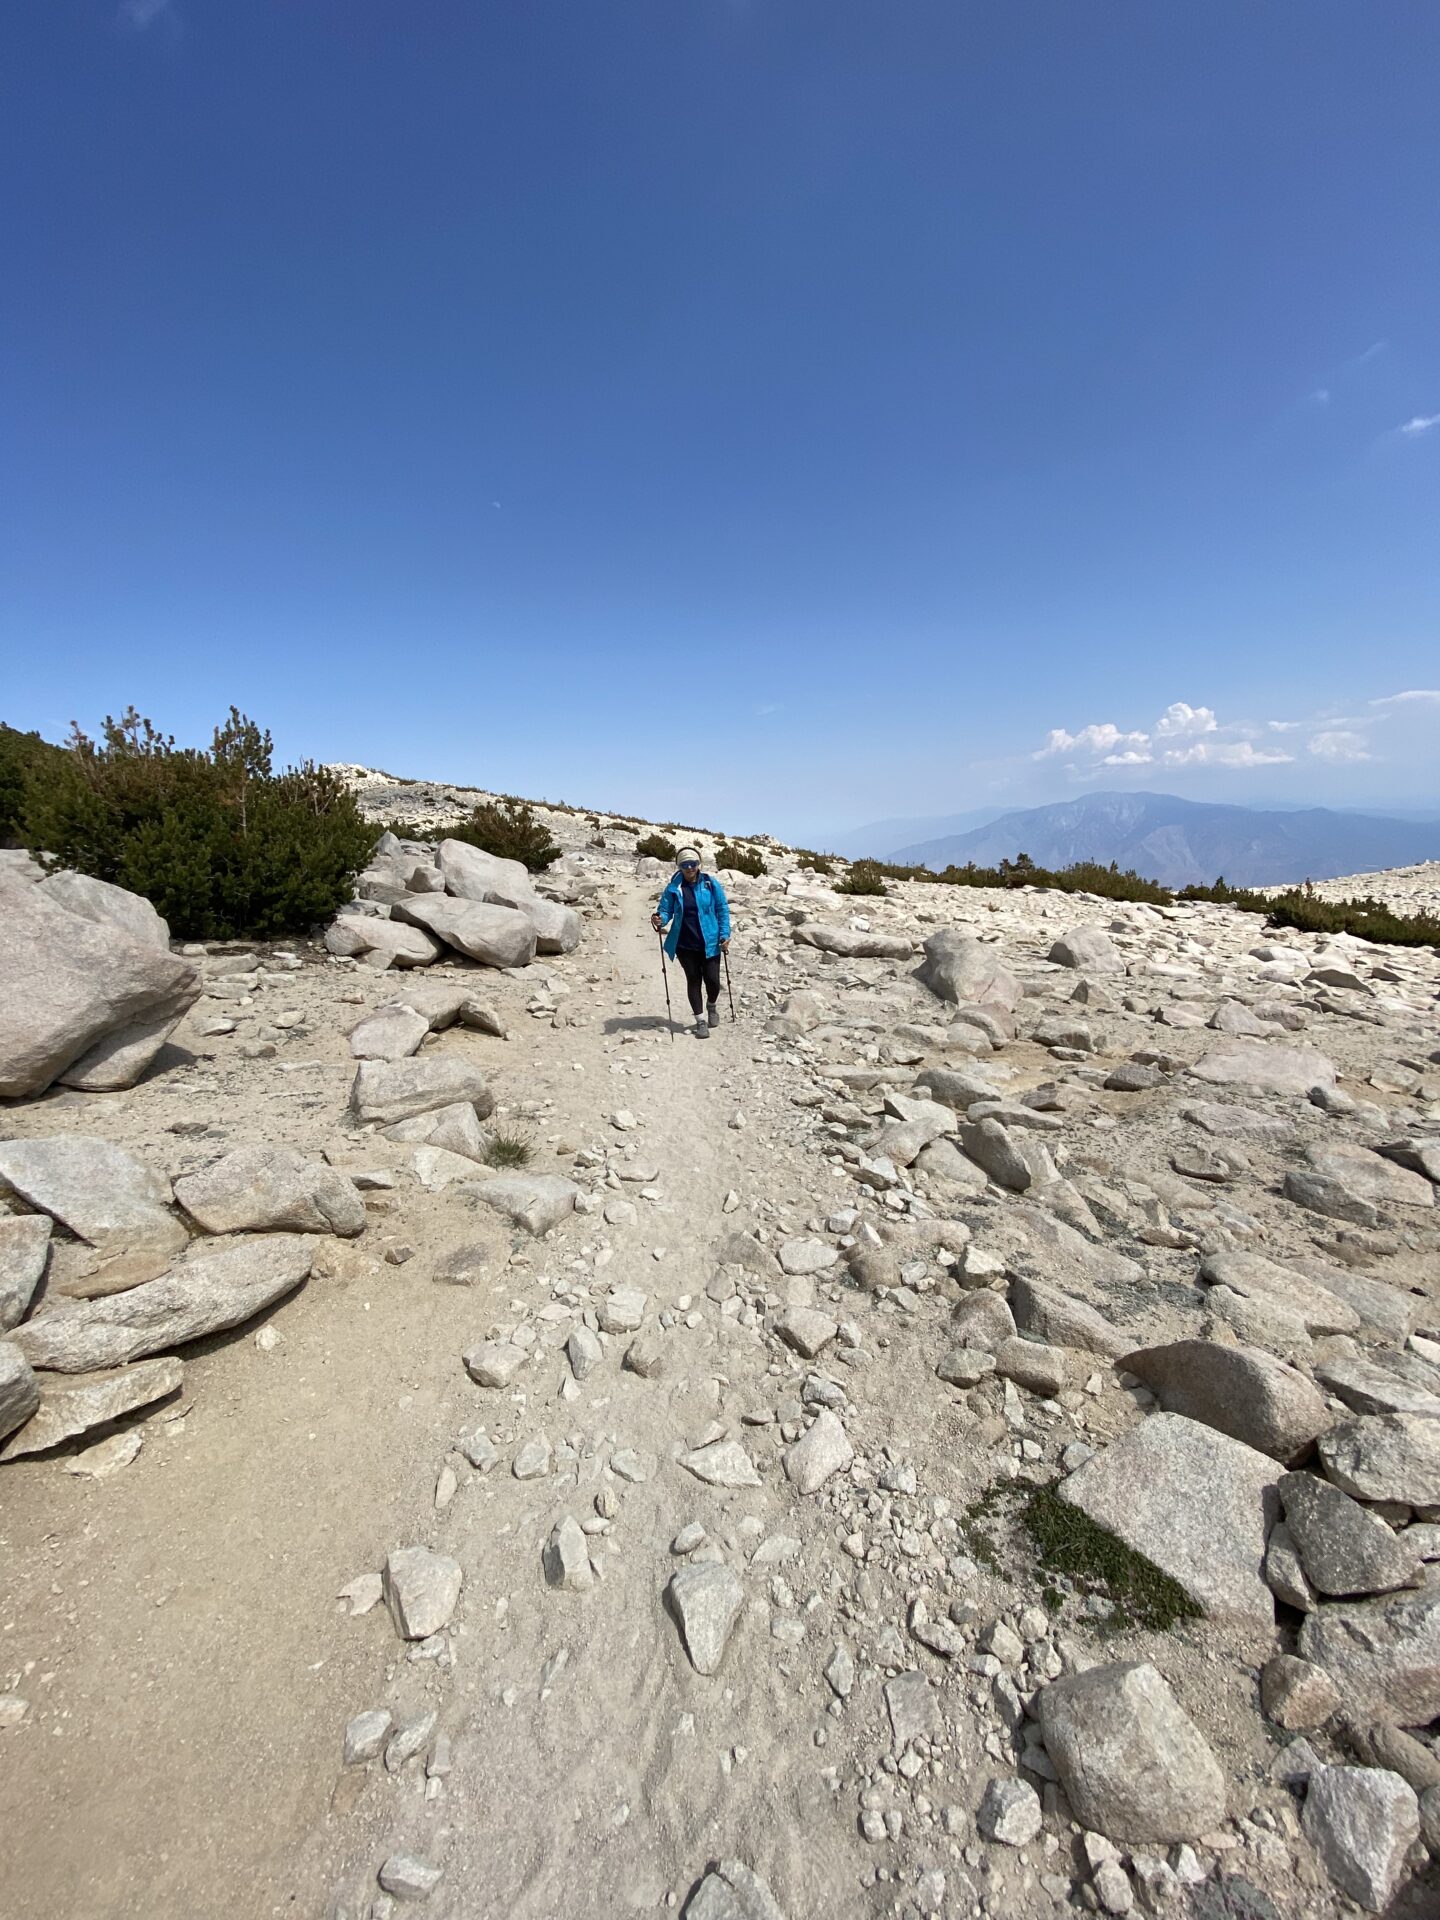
[767,413]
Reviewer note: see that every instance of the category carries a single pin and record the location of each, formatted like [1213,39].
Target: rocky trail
[964,1438]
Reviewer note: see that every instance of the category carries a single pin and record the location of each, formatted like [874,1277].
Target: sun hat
[688,856]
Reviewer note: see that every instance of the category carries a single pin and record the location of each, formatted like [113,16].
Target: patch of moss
[1074,1556]
[1070,1544]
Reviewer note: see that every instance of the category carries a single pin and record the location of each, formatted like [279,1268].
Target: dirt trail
[177,1629]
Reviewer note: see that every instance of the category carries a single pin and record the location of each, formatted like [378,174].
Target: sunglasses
[689,866]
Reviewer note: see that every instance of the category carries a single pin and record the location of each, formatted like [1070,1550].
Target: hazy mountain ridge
[1179,841]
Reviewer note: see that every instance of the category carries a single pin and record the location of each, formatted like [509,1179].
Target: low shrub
[865,876]
[23,757]
[740,860]
[815,862]
[508,829]
[412,830]
[504,1149]
[656,847]
[1084,876]
[222,845]
[1304,910]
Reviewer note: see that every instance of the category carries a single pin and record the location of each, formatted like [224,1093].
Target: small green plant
[504,1149]
[656,847]
[865,876]
[740,860]
[509,829]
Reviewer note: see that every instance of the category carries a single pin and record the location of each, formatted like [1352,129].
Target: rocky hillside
[963,1439]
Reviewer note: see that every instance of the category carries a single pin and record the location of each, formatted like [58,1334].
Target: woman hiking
[698,915]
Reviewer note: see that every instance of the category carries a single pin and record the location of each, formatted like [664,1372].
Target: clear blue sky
[770,413]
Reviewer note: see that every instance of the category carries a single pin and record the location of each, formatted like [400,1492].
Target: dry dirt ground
[177,1630]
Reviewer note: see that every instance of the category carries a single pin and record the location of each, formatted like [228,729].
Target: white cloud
[1422,423]
[1338,743]
[1104,737]
[1411,693]
[1130,758]
[140,14]
[1285,726]
[1219,753]
[1179,718]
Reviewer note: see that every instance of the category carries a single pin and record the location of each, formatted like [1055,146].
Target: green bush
[224,847]
[1303,909]
[657,847]
[740,860]
[508,829]
[865,876]
[412,830]
[815,862]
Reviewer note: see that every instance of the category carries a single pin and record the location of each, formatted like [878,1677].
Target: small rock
[1010,1812]
[421,1590]
[706,1599]
[1362,1822]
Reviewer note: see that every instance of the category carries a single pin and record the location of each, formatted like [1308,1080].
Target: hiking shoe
[702,1032]
[714,1013]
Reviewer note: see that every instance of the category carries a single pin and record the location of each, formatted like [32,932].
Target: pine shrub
[656,847]
[510,830]
[223,846]
[865,876]
[740,860]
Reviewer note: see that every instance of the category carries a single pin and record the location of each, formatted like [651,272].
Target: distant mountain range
[1178,842]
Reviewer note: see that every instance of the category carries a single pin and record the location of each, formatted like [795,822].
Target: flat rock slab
[535,1201]
[1385,1456]
[24,1250]
[216,1288]
[732,1891]
[1053,1316]
[19,1390]
[1362,1821]
[1255,1277]
[73,1404]
[1344,1549]
[723,1463]
[356,935]
[706,1600]
[851,944]
[386,1090]
[100,1192]
[1266,1067]
[271,1190]
[495,936]
[81,1001]
[823,1450]
[494,1363]
[421,1589]
[391,1033]
[1134,1766]
[1372,1177]
[1366,1386]
[1193,1502]
[914,1709]
[807,1256]
[1237,1390]
[806,1331]
[1384,1655]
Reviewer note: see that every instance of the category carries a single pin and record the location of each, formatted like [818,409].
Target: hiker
[698,914]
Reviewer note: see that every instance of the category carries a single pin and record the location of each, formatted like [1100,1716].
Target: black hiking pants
[696,967]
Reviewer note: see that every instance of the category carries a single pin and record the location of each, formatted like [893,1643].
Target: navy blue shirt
[691,938]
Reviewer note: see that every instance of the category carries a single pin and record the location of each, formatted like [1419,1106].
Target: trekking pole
[665,972]
[728,988]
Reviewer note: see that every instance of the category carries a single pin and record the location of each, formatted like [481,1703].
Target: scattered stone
[731,1891]
[421,1589]
[622,1310]
[1133,1764]
[271,1190]
[706,1599]
[822,1451]
[19,1389]
[532,1462]
[74,1404]
[1384,1655]
[387,1091]
[24,1250]
[1054,1317]
[535,1201]
[1236,1390]
[1090,949]
[220,1285]
[806,1331]
[365,1736]
[1388,1456]
[1297,1695]
[409,1877]
[1266,1067]
[566,1557]
[1344,1549]
[965,1366]
[100,1192]
[1010,1812]
[1361,1821]
[494,1363]
[107,1456]
[723,1463]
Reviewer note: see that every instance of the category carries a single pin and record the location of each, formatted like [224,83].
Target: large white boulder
[495,936]
[472,874]
[80,1001]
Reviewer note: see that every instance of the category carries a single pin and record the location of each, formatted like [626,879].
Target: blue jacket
[711,905]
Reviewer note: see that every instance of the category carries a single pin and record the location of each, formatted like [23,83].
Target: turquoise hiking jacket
[711,905]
